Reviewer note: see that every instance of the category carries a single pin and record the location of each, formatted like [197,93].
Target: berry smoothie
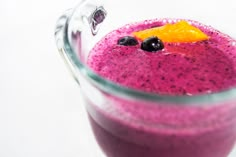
[135,128]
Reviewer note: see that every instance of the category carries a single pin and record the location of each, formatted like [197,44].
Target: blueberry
[127,41]
[152,44]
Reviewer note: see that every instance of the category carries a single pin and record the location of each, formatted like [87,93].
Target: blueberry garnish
[152,44]
[127,41]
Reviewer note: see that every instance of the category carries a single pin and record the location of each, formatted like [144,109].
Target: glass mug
[128,122]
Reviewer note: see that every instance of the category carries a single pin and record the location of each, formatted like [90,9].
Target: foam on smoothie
[180,69]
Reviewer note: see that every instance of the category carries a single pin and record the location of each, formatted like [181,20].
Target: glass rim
[119,90]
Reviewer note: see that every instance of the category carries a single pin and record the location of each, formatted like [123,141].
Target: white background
[41,113]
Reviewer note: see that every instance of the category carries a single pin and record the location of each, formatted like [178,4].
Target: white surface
[41,114]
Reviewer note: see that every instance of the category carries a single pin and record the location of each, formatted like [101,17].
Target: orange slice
[181,31]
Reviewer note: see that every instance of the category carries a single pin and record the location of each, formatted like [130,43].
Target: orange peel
[181,31]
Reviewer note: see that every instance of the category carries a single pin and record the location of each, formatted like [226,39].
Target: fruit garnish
[127,41]
[181,31]
[152,44]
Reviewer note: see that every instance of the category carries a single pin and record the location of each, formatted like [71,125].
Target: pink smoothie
[139,129]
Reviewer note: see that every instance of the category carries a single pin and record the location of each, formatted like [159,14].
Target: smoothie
[131,128]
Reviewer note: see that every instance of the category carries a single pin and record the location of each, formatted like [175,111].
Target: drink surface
[125,128]
[179,69]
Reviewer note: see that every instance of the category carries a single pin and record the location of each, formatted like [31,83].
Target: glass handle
[59,33]
[89,14]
